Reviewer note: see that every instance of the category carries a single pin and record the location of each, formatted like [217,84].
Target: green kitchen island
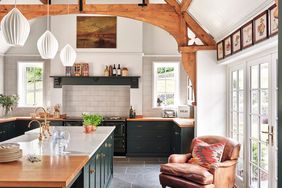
[88,164]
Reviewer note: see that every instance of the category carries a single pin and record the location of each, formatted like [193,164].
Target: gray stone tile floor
[136,172]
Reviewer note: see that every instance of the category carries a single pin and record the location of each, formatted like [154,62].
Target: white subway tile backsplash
[104,100]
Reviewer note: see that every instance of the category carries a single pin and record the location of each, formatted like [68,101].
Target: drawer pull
[139,126]
[176,133]
[92,171]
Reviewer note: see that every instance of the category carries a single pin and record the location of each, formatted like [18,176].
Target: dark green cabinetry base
[157,139]
[98,172]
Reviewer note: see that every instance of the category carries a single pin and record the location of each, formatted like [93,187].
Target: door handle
[270,134]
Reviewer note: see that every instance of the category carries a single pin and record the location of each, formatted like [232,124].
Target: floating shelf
[132,81]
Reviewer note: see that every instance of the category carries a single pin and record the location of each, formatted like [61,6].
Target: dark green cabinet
[7,131]
[148,138]
[99,170]
[181,139]
[157,138]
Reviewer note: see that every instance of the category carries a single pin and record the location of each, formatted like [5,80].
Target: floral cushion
[205,154]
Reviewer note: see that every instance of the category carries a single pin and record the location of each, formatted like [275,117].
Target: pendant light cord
[48,16]
[68,7]
[15,3]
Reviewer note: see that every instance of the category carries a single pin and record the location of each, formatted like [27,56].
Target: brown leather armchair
[178,173]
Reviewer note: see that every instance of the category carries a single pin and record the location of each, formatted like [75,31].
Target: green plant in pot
[8,102]
[91,121]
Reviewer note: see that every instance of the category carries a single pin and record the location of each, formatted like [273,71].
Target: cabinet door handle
[159,136]
[176,133]
[92,171]
[139,126]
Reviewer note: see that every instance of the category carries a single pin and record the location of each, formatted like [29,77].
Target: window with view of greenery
[166,76]
[30,84]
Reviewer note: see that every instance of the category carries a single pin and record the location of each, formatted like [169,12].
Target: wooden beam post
[174,4]
[190,66]
[185,5]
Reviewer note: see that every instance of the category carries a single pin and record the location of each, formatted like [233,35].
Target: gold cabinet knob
[92,171]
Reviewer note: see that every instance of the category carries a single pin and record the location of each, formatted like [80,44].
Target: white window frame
[176,66]
[22,82]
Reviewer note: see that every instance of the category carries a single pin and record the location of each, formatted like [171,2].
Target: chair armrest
[224,164]
[179,158]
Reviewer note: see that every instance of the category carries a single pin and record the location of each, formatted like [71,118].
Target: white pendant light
[15,28]
[47,44]
[68,55]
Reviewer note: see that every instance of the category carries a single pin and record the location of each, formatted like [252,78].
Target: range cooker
[119,133]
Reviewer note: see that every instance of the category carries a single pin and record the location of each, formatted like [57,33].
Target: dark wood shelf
[132,81]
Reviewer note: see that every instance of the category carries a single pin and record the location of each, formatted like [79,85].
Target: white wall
[128,53]
[211,95]
[158,42]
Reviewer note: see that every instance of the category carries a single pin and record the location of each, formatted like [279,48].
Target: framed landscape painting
[227,46]
[236,41]
[247,35]
[220,52]
[96,32]
[273,22]
[261,27]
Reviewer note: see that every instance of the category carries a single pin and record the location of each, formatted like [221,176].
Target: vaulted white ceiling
[222,17]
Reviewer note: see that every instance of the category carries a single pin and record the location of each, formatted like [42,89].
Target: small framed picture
[261,27]
[220,53]
[273,22]
[236,41]
[227,44]
[247,34]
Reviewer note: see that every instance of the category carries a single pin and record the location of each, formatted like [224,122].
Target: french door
[253,120]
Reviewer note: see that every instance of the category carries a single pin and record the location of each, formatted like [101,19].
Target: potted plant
[8,103]
[91,121]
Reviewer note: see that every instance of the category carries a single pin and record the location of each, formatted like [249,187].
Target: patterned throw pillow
[205,154]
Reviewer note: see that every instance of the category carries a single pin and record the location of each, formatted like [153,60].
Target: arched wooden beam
[164,16]
[161,15]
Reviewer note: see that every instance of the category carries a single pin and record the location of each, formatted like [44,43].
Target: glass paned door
[237,114]
[260,137]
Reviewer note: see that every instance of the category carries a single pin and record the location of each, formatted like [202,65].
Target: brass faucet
[43,126]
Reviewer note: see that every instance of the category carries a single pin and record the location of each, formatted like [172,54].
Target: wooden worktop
[9,119]
[181,122]
[51,171]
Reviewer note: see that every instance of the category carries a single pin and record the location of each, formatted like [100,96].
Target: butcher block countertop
[9,119]
[181,122]
[53,170]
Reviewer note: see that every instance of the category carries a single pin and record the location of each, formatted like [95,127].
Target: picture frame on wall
[261,27]
[236,41]
[220,51]
[227,46]
[247,35]
[273,21]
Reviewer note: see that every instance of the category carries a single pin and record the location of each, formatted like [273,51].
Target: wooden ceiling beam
[185,5]
[198,30]
[195,48]
[174,4]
